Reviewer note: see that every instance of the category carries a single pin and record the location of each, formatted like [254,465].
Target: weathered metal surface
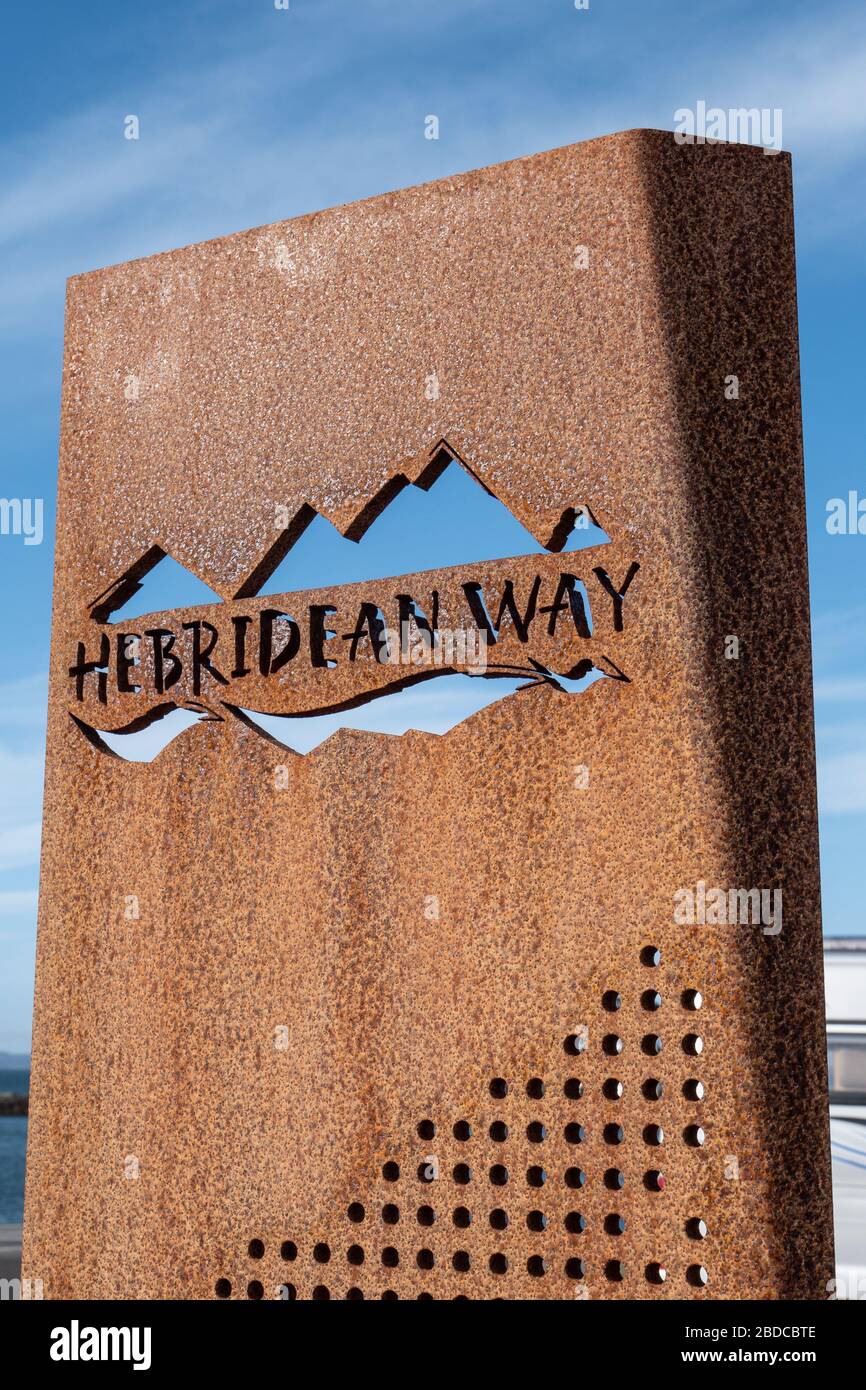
[334,950]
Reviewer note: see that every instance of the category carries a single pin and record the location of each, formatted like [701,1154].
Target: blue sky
[250,114]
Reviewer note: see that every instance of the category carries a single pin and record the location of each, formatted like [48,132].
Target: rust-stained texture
[412,1016]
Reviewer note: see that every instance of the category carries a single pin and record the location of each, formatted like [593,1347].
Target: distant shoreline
[14,1090]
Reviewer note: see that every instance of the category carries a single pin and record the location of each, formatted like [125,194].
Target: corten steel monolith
[441,1014]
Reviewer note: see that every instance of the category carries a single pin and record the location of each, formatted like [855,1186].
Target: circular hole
[575,1268]
[656,1273]
[651,999]
[654,1180]
[321,1293]
[389,1296]
[355,1255]
[697,1275]
[222,1288]
[426,1216]
[535,1088]
[575,1223]
[390,1214]
[426,1130]
[462,1130]
[424,1298]
[536,1176]
[321,1253]
[696,1228]
[612,1088]
[613,1134]
[536,1132]
[653,1134]
[536,1221]
[537,1266]
[499,1219]
[498,1263]
[611,1001]
[499,1175]
[652,1089]
[390,1257]
[693,1044]
[460,1260]
[424,1259]
[652,1044]
[693,1089]
[462,1174]
[354,1294]
[614,1224]
[612,1044]
[614,1178]
[574,1134]
[356,1212]
[288,1292]
[426,1172]
[694,1136]
[693,999]
[615,1271]
[650,955]
[499,1088]
[498,1131]
[391,1171]
[462,1217]
[289,1250]
[256,1249]
[255,1289]
[574,1044]
[575,1177]
[573,1088]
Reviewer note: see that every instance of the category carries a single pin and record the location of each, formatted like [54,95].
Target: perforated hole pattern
[516,1170]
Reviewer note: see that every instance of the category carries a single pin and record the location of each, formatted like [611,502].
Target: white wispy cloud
[217,152]
[19,845]
[23,702]
[22,724]
[835,633]
[20,781]
[840,711]
[18,902]
[289,124]
[841,689]
[842,783]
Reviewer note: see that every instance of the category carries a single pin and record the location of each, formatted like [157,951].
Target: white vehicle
[845,987]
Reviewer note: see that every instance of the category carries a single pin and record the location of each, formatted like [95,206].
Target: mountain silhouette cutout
[156,584]
[435,704]
[446,518]
[454,521]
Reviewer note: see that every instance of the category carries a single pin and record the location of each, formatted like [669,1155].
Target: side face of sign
[527,1005]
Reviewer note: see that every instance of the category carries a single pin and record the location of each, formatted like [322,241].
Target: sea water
[13,1146]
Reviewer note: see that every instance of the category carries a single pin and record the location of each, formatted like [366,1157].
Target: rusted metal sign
[511,1011]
